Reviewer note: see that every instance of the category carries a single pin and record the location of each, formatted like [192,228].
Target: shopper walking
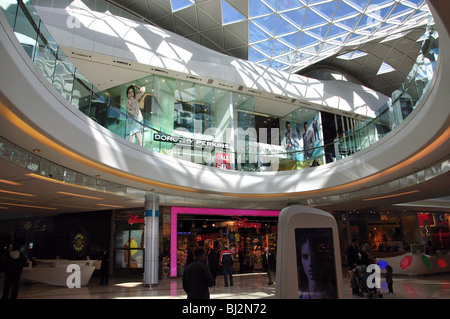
[269,264]
[104,268]
[13,270]
[227,261]
[353,257]
[197,278]
[389,280]
[213,261]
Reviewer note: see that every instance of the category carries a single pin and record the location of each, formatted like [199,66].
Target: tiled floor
[247,286]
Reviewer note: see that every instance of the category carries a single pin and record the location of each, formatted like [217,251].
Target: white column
[151,240]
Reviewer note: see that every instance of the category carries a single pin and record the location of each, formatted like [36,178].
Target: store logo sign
[244,223]
[135,219]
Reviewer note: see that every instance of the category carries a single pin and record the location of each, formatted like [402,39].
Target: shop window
[129,252]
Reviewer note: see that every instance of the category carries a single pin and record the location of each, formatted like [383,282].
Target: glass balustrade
[208,125]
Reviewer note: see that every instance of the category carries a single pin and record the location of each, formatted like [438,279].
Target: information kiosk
[308,255]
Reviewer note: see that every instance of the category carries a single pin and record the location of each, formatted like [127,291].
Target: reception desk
[54,271]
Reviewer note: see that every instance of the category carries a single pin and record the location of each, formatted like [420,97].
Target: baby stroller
[361,276]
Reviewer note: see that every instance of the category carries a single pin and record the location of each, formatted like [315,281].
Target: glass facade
[212,126]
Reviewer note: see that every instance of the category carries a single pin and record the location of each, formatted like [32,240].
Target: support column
[151,240]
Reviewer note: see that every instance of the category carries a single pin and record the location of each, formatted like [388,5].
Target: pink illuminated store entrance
[245,232]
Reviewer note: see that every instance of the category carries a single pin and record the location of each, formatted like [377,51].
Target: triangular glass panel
[272,4]
[326,9]
[320,32]
[265,46]
[302,56]
[255,55]
[278,65]
[180,4]
[350,23]
[376,4]
[291,39]
[312,19]
[287,58]
[267,23]
[352,55]
[336,31]
[401,10]
[256,34]
[359,4]
[344,10]
[381,13]
[295,16]
[366,21]
[306,40]
[283,26]
[355,38]
[288,5]
[414,3]
[258,8]
[230,14]
[385,68]
[280,48]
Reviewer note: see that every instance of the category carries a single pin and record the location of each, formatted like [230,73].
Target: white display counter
[54,271]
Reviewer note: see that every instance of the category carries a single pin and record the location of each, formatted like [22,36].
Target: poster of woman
[315,263]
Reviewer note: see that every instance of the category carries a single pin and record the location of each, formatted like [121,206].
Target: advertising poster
[316,263]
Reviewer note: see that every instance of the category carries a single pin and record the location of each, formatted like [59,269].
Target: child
[389,279]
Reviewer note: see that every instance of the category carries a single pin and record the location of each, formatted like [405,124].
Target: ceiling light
[389,196]
[29,206]
[79,195]
[113,206]
[16,193]
[4,181]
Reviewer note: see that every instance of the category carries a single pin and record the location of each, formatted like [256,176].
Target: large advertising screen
[316,263]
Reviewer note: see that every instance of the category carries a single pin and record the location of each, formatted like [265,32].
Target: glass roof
[292,34]
[284,34]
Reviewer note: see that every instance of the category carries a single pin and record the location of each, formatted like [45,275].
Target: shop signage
[160,137]
[223,161]
[244,223]
[78,242]
[135,219]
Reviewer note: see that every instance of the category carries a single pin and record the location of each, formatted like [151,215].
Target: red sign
[135,219]
[223,161]
[243,223]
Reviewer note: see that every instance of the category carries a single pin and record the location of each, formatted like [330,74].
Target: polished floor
[246,286]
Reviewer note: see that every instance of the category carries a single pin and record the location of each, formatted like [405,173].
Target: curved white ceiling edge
[31,98]
[104,35]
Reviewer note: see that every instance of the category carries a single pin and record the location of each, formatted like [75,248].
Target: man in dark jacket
[269,264]
[13,270]
[197,278]
[227,261]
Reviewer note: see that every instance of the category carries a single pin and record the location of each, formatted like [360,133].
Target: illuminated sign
[243,223]
[135,219]
[78,242]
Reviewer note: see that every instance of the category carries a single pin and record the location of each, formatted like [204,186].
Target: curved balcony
[127,163]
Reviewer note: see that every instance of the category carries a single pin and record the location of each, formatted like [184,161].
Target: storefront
[245,232]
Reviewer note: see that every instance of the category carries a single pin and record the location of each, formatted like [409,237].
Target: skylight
[385,68]
[230,14]
[181,4]
[352,55]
